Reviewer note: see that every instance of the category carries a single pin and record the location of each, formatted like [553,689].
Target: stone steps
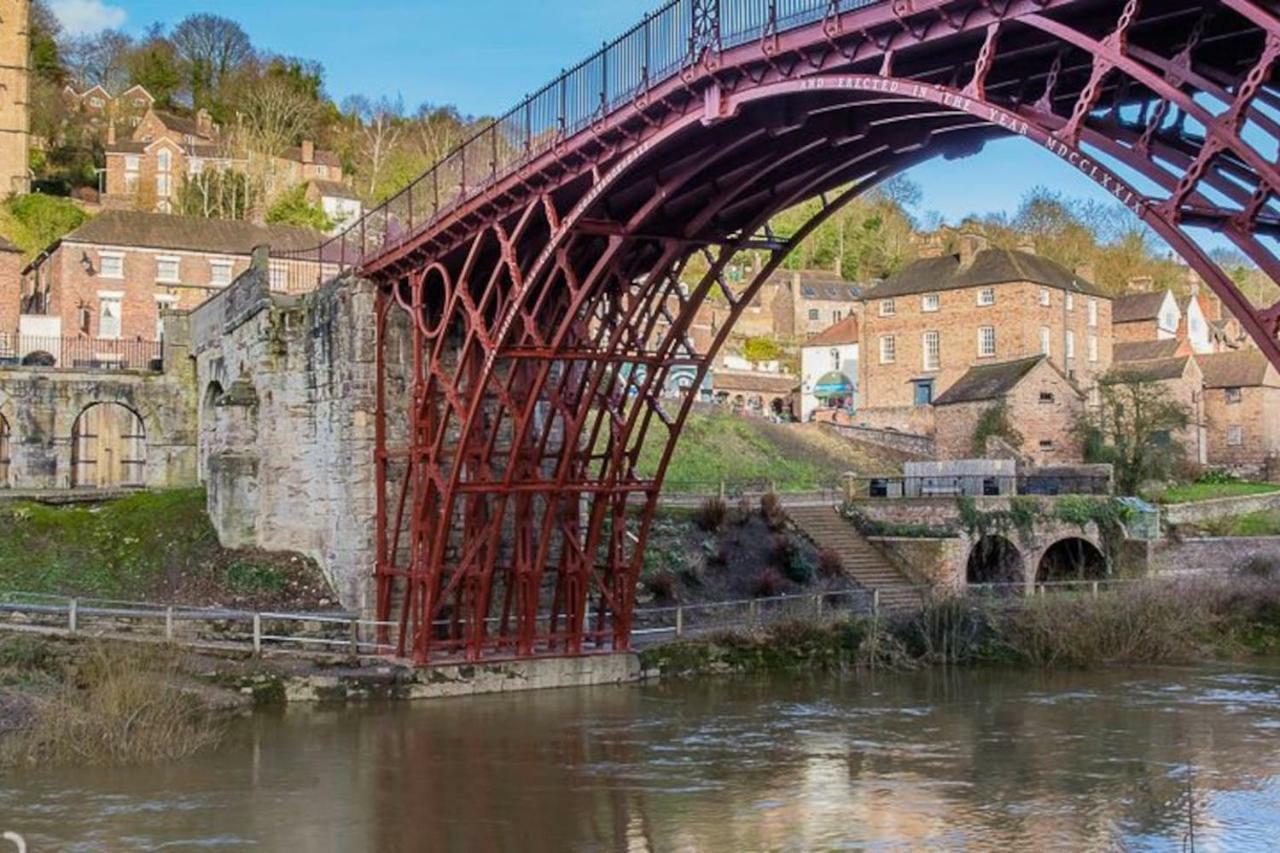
[824,527]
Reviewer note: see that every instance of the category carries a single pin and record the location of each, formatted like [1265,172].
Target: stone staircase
[828,530]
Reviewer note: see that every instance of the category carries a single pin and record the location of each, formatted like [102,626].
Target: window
[163,184]
[1234,396]
[1093,311]
[923,392]
[111,264]
[987,296]
[813,315]
[888,308]
[1235,436]
[987,342]
[888,349]
[132,164]
[220,273]
[322,171]
[1071,302]
[1071,344]
[835,317]
[1045,298]
[1047,398]
[835,359]
[932,346]
[168,270]
[1093,348]
[164,160]
[196,166]
[930,303]
[1045,340]
[163,303]
[1046,444]
[109,320]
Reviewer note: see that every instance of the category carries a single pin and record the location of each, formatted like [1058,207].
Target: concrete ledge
[397,682]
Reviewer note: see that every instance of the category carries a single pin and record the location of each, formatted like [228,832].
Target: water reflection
[941,760]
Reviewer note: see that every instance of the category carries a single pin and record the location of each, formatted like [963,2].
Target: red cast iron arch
[561,283]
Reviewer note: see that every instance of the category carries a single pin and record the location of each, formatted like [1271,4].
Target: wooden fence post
[73,615]
[257,633]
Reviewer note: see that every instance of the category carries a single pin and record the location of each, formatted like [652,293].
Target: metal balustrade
[649,54]
[80,353]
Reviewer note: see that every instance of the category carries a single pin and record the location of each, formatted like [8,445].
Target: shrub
[711,516]
[830,563]
[744,510]
[799,569]
[662,585]
[771,510]
[1262,566]
[768,583]
[781,550]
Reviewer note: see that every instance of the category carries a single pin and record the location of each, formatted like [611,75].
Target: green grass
[1196,492]
[150,545]
[719,447]
[1265,523]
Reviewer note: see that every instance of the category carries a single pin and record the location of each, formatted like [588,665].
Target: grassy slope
[1196,492]
[151,545]
[716,446]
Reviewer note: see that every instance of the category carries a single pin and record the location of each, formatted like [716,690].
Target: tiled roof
[1137,307]
[189,233]
[181,124]
[988,381]
[1159,370]
[844,332]
[1147,350]
[769,383]
[334,189]
[990,266]
[1237,370]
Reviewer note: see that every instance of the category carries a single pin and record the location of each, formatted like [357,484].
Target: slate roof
[1159,370]
[182,124]
[1137,307]
[988,381]
[989,267]
[6,246]
[334,189]
[189,233]
[737,380]
[324,158]
[844,332]
[1147,350]
[1248,368]
[821,285]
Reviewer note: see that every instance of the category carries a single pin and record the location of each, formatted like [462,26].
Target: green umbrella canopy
[833,384]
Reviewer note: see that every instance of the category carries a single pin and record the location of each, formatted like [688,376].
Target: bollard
[817,604]
[72,615]
[257,633]
[168,624]
[355,637]
[875,603]
[679,621]
[1095,589]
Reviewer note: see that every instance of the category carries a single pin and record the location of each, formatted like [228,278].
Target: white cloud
[86,17]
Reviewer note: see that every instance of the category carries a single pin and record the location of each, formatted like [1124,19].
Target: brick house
[15,93]
[941,316]
[810,301]
[1242,411]
[829,369]
[110,279]
[102,110]
[1151,350]
[10,281]
[1040,402]
[1146,315]
[1183,382]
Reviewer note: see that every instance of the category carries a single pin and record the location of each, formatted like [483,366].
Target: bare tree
[211,47]
[381,126]
[275,116]
[439,130]
[100,59]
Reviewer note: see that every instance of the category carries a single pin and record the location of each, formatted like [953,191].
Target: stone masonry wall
[287,423]
[1220,508]
[1211,554]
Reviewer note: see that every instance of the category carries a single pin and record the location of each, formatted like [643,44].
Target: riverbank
[1153,622]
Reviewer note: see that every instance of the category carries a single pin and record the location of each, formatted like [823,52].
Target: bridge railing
[650,53]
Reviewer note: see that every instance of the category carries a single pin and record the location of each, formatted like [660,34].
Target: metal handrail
[649,54]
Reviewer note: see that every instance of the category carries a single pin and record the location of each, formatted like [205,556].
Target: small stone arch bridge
[580,233]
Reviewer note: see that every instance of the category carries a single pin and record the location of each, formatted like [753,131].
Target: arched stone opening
[1073,559]
[995,560]
[207,427]
[108,448]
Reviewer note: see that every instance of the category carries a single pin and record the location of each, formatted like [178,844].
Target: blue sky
[485,55]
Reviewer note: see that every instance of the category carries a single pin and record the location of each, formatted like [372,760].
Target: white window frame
[105,298]
[161,260]
[888,308]
[1046,298]
[1071,301]
[1093,311]
[322,171]
[103,258]
[888,349]
[1093,349]
[835,358]
[1071,344]
[987,296]
[985,351]
[221,264]
[164,160]
[814,315]
[164,184]
[931,345]
[1046,341]
[931,303]
[132,164]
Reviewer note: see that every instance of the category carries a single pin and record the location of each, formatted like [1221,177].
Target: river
[990,759]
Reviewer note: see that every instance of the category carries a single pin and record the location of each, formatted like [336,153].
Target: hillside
[718,447]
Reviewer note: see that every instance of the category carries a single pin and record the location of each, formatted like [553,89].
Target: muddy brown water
[1133,759]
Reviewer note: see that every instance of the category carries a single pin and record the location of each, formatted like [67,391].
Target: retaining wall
[1193,513]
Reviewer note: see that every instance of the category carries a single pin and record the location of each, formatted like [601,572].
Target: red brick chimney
[111,133]
[308,152]
[933,247]
[1084,272]
[1141,284]
[971,244]
[204,122]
